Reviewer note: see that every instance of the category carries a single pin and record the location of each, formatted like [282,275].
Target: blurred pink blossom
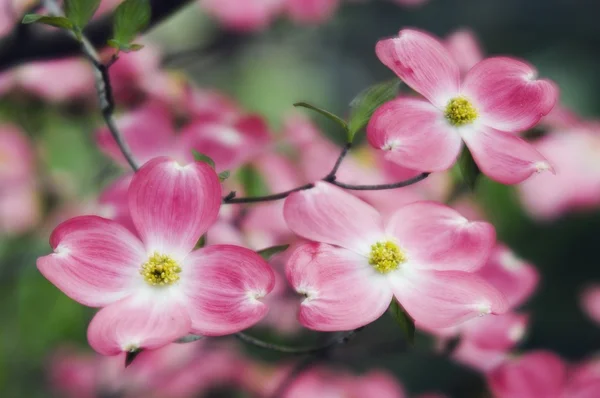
[590,301]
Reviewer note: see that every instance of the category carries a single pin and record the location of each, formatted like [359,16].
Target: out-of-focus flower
[542,374]
[157,289]
[424,255]
[176,370]
[11,11]
[498,97]
[311,11]
[590,301]
[574,153]
[246,15]
[465,49]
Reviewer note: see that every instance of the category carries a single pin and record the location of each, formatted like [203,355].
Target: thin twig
[339,340]
[230,198]
[382,187]
[332,174]
[103,88]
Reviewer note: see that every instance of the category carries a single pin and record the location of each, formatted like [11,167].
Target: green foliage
[271,251]
[468,169]
[200,157]
[406,323]
[367,102]
[224,175]
[252,181]
[59,22]
[79,12]
[131,17]
[323,112]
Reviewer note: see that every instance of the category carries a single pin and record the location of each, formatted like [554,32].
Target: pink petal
[464,48]
[508,95]
[478,358]
[224,286]
[311,11]
[328,214]
[423,63]
[500,332]
[437,237]
[534,375]
[137,323]
[173,205]
[249,15]
[114,202]
[94,260]
[148,131]
[437,299]
[590,300]
[511,275]
[342,290]
[415,134]
[504,157]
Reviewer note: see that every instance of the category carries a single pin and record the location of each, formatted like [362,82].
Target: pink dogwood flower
[156,288]
[590,300]
[424,255]
[497,98]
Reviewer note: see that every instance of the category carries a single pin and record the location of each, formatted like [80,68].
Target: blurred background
[326,64]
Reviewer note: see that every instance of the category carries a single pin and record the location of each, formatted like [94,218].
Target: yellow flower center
[386,256]
[460,111]
[160,270]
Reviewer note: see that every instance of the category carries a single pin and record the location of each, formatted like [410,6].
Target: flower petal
[173,205]
[508,95]
[137,323]
[536,374]
[437,299]
[498,333]
[423,63]
[415,134]
[328,214]
[94,260]
[504,157]
[437,237]
[342,290]
[224,288]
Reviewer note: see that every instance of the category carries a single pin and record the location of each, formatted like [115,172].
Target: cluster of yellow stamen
[386,256]
[160,270]
[460,111]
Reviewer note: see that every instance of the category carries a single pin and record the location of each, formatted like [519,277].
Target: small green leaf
[253,182]
[79,12]
[271,251]
[131,17]
[59,22]
[200,157]
[131,356]
[366,103]
[323,112]
[201,242]
[190,338]
[406,323]
[224,175]
[124,46]
[468,169]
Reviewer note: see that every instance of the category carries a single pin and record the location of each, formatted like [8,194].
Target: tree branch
[37,43]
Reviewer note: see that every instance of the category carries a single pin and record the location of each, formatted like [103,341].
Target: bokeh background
[326,65]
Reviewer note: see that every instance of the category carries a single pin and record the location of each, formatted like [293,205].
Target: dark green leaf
[200,157]
[224,175]
[201,242]
[253,183]
[468,169]
[131,356]
[79,12]
[271,251]
[59,22]
[323,112]
[406,323]
[131,17]
[190,338]
[364,105]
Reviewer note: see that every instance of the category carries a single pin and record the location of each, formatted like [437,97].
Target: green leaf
[131,17]
[190,338]
[364,105]
[406,323]
[252,181]
[200,157]
[79,12]
[323,112]
[224,175]
[468,169]
[59,22]
[201,242]
[271,251]
[125,47]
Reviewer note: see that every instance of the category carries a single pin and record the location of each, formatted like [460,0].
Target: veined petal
[504,157]
[508,95]
[342,290]
[536,374]
[423,63]
[173,205]
[328,214]
[437,237]
[415,135]
[137,322]
[437,299]
[95,260]
[224,285]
